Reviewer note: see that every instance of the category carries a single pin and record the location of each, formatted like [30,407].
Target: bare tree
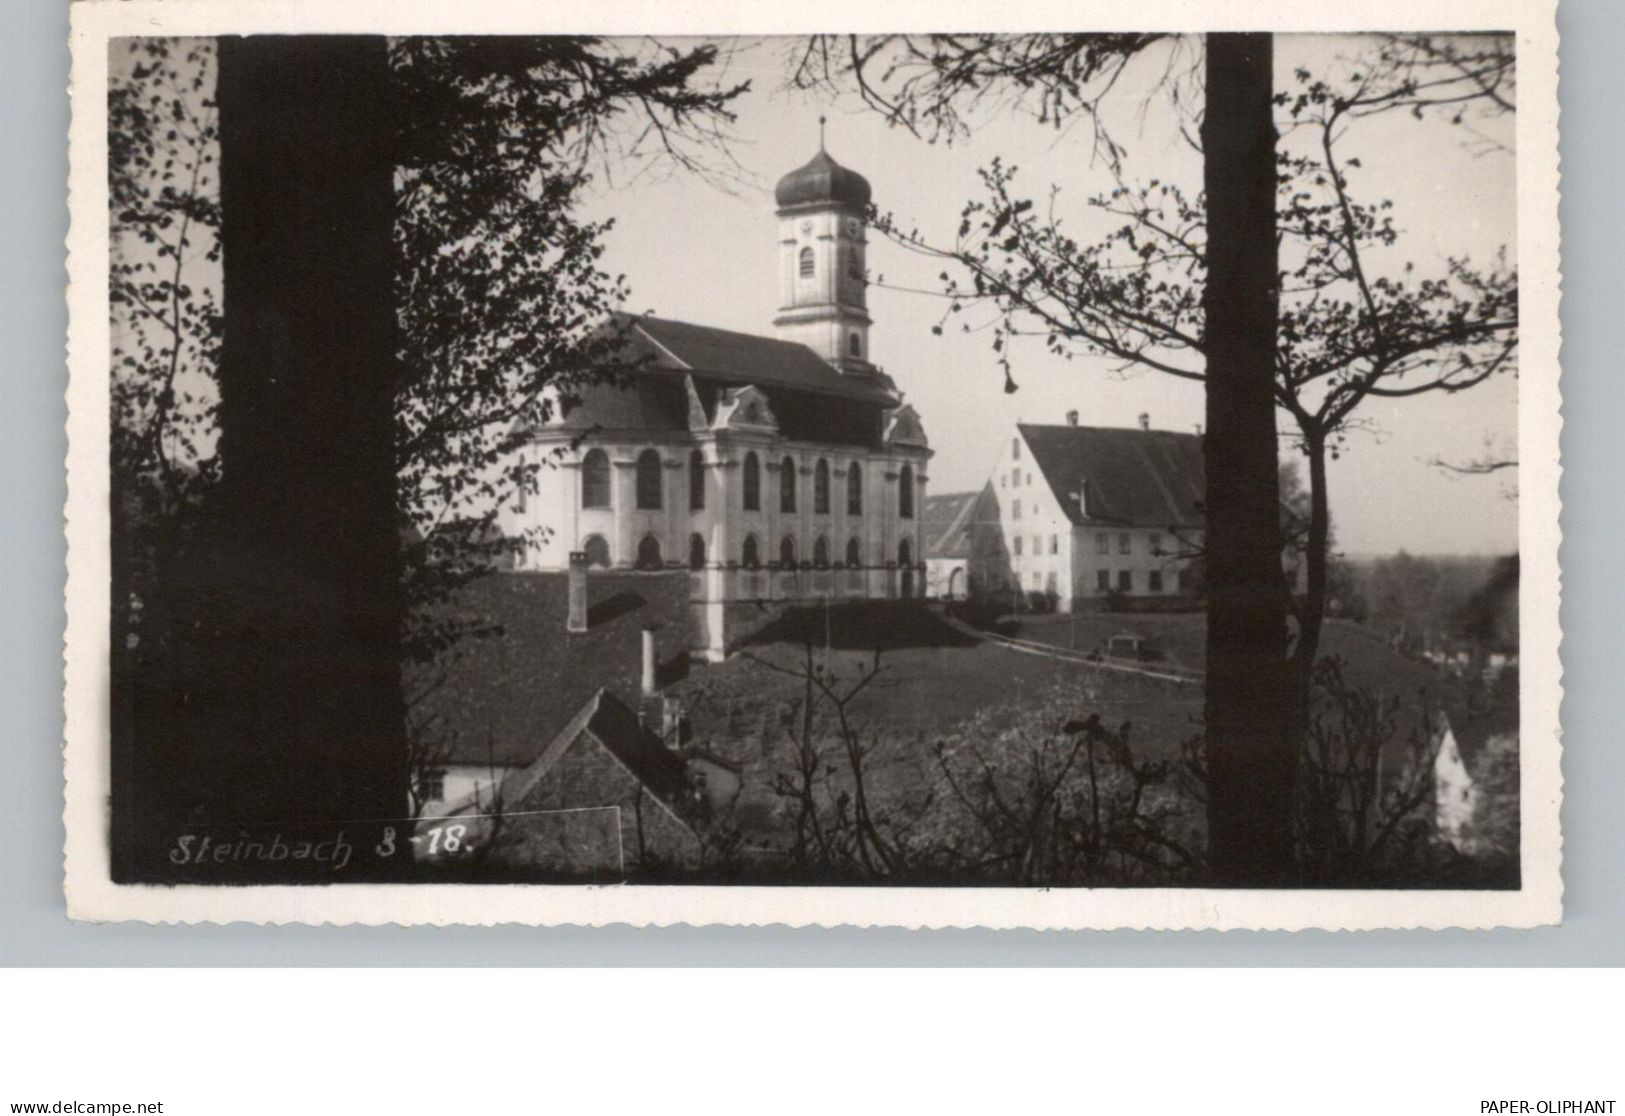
[1351,329]
[835,823]
[1071,806]
[469,156]
[1367,781]
[937,84]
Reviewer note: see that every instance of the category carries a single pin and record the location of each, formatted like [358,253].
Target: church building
[783,468]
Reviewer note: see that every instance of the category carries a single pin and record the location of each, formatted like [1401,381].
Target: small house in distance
[949,524]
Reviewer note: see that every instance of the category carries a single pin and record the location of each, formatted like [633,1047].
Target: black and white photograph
[1012,477]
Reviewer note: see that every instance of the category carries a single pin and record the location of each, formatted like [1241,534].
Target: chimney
[1145,421]
[671,722]
[577,621]
[1072,418]
[648,662]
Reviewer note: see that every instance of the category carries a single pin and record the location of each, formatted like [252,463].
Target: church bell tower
[822,284]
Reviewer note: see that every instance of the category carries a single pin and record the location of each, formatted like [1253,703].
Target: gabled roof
[499,694]
[682,372]
[1133,477]
[607,722]
[947,520]
[661,771]
[745,358]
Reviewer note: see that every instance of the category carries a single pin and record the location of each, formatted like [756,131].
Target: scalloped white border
[91,895]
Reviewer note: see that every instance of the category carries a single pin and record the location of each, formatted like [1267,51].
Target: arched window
[753,483]
[905,492]
[854,346]
[649,480]
[854,262]
[649,554]
[854,554]
[696,480]
[597,549]
[696,552]
[751,557]
[821,553]
[787,552]
[854,489]
[905,553]
[806,263]
[821,488]
[595,479]
[787,485]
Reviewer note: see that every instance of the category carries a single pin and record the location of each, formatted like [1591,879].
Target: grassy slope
[934,679]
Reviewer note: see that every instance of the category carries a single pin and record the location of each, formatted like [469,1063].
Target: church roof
[746,358]
[1133,477]
[821,180]
[681,372]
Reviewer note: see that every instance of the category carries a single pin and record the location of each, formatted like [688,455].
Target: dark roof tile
[500,697]
[746,358]
[1134,478]
[948,519]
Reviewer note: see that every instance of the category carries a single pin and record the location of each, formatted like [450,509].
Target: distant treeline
[1432,605]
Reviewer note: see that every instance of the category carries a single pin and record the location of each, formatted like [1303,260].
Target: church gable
[745,408]
[903,427]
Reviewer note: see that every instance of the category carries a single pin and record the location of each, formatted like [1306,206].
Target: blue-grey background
[34,929]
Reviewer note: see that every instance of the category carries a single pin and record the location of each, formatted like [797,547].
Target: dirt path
[1166,674]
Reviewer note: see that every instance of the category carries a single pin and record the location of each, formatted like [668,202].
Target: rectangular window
[1015,449]
[1103,543]
[1038,544]
[432,785]
[1125,543]
[1055,544]
[1156,543]
[1015,478]
[1156,581]
[1016,542]
[1038,579]
[1103,580]
[1125,581]
[1015,509]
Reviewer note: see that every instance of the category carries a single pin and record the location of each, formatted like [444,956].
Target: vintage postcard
[835,464]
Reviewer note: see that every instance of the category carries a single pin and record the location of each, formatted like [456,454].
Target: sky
[706,252]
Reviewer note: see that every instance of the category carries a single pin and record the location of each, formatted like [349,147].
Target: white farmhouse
[1087,516]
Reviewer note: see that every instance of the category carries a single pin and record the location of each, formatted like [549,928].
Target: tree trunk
[1315,556]
[284,703]
[1250,753]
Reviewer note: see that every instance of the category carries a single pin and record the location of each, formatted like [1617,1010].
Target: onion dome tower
[822,209]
